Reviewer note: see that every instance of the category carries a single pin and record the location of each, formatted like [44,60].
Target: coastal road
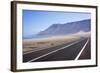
[76,50]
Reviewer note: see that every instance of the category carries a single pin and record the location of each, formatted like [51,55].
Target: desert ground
[44,43]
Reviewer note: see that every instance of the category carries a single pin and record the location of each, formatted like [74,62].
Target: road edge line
[54,51]
[82,50]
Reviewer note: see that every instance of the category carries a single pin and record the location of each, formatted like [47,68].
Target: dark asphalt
[68,53]
[86,54]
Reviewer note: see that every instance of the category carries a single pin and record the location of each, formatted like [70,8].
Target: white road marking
[82,50]
[38,50]
[31,51]
[54,51]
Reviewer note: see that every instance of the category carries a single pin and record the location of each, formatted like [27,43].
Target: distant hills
[65,29]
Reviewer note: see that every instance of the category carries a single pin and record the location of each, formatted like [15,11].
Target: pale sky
[36,21]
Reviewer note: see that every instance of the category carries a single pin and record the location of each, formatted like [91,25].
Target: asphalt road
[67,51]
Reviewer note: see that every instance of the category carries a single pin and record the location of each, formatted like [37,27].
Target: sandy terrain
[39,44]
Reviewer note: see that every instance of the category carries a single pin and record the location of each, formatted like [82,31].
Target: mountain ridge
[64,29]
[67,28]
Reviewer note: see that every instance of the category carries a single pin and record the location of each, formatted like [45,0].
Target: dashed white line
[82,50]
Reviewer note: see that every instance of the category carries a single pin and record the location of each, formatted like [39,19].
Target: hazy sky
[36,21]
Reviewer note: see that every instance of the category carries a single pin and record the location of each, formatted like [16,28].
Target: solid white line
[82,50]
[54,51]
[31,51]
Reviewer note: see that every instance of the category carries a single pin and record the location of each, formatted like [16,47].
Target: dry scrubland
[39,44]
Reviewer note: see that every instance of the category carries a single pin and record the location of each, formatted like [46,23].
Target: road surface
[76,50]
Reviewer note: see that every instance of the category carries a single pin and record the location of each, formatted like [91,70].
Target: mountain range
[67,28]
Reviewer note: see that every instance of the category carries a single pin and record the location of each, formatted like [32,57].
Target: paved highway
[76,50]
